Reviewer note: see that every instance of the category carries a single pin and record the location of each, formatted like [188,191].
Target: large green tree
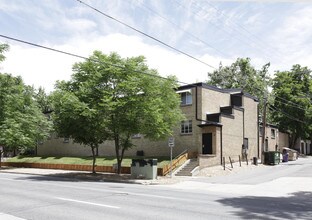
[241,74]
[292,110]
[121,97]
[22,124]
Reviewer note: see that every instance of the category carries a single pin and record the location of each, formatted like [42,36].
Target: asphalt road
[277,192]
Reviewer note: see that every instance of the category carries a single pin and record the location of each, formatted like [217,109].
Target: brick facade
[234,117]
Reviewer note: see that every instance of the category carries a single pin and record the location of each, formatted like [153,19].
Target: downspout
[196,103]
[221,144]
[243,125]
[258,131]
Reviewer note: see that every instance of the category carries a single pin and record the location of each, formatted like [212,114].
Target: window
[260,131]
[272,133]
[186,98]
[136,136]
[66,140]
[186,127]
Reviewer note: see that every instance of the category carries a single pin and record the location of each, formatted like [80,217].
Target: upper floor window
[135,136]
[66,140]
[260,131]
[186,98]
[186,127]
[272,133]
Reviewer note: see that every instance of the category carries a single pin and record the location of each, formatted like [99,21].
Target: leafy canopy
[241,74]
[22,123]
[113,98]
[292,102]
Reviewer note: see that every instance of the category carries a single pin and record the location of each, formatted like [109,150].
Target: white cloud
[39,67]
[292,39]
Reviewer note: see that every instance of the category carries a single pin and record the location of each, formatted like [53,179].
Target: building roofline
[234,91]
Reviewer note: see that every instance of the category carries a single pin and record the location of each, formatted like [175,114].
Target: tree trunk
[120,159]
[93,159]
[0,157]
[117,146]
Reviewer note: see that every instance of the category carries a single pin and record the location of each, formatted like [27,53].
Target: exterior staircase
[186,171]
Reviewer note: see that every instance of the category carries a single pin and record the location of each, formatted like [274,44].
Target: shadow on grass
[296,206]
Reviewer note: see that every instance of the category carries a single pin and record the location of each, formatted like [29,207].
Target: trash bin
[271,157]
[285,157]
[144,168]
[255,160]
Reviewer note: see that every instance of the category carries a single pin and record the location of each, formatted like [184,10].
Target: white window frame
[186,127]
[273,133]
[188,98]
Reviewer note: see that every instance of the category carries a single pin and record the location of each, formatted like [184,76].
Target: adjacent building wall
[227,139]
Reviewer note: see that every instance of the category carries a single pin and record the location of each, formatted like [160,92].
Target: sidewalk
[126,178]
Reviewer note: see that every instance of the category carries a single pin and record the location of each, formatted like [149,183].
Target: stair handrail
[183,152]
[175,161]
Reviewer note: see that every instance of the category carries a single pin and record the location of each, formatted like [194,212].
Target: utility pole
[265,102]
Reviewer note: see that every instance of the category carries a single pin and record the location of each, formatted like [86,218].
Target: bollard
[231,162]
[240,163]
[246,159]
[223,163]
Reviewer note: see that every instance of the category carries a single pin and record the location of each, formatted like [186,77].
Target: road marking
[9,217]
[88,203]
[102,190]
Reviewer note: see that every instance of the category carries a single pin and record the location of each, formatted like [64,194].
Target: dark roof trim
[210,124]
[214,88]
[269,125]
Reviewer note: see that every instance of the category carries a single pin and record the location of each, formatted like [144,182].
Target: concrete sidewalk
[126,178]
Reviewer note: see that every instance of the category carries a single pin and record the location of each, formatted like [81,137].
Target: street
[272,192]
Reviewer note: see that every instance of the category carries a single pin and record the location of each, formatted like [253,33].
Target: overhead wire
[145,34]
[267,55]
[273,108]
[83,57]
[272,49]
[182,29]
[289,102]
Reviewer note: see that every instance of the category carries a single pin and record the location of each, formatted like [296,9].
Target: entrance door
[207,143]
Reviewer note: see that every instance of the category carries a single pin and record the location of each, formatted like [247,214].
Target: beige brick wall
[271,141]
[232,135]
[251,126]
[208,102]
[283,140]
[212,101]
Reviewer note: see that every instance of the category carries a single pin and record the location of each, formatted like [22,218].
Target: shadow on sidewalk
[296,206]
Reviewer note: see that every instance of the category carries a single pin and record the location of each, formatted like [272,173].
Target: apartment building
[220,123]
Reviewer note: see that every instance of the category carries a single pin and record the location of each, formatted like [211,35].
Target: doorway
[207,143]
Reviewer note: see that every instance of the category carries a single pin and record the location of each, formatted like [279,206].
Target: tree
[79,118]
[43,100]
[126,97]
[3,48]
[241,74]
[292,102]
[22,123]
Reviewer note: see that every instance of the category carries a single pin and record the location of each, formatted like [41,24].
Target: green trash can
[272,157]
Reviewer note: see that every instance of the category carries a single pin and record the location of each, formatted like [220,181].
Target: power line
[83,57]
[289,102]
[243,28]
[228,33]
[182,29]
[273,108]
[145,34]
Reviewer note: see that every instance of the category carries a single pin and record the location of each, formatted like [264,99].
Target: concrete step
[186,171]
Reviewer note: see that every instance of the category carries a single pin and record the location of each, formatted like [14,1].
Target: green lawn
[100,161]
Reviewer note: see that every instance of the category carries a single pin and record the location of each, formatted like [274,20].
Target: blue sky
[278,32]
